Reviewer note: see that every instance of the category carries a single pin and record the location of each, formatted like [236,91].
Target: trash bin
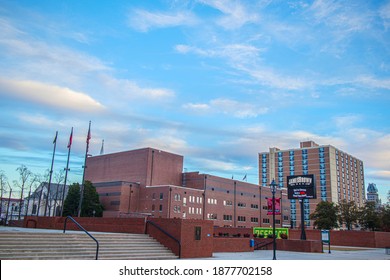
[252,243]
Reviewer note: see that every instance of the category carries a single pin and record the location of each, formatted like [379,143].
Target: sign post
[325,238]
[301,187]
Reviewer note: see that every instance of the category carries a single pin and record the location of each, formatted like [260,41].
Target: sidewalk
[336,254]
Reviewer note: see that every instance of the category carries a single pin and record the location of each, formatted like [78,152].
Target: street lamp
[273,190]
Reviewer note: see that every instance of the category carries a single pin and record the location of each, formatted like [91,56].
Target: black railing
[165,232]
[83,229]
[262,244]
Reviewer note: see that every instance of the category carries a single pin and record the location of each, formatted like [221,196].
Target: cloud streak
[50,96]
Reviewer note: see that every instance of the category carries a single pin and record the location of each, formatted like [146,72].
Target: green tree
[325,215]
[72,200]
[91,205]
[369,216]
[348,213]
[384,218]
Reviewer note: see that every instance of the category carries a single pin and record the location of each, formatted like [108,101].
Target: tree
[369,216]
[24,175]
[325,215]
[91,205]
[384,218]
[3,183]
[348,213]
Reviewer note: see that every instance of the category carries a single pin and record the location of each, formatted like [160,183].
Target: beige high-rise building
[339,175]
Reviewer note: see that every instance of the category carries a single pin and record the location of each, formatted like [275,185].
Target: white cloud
[246,58]
[143,21]
[49,95]
[241,110]
[237,109]
[130,89]
[384,13]
[197,107]
[235,14]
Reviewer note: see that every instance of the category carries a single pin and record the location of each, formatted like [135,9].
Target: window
[211,201]
[241,218]
[227,217]
[254,220]
[227,203]
[254,206]
[161,196]
[266,221]
[177,197]
[153,207]
[241,204]
[160,208]
[212,216]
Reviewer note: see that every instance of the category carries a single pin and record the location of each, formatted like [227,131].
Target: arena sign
[301,186]
[265,232]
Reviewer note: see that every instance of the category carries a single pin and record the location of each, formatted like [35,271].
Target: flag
[55,137]
[89,133]
[277,206]
[102,148]
[70,139]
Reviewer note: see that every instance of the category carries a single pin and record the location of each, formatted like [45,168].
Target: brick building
[151,182]
[339,176]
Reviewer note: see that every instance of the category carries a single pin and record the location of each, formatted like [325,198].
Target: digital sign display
[301,186]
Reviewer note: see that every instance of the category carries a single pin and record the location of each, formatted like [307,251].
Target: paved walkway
[337,252]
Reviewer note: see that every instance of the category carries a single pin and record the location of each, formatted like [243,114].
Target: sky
[215,81]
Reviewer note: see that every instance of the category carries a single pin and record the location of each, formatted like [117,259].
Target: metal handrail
[83,229]
[262,244]
[165,232]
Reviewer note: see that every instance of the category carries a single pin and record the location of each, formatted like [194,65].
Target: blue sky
[215,81]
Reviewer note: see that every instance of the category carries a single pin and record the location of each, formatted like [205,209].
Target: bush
[283,236]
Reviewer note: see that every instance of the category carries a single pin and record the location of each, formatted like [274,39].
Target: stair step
[78,246]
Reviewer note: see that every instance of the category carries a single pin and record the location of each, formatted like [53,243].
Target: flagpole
[84,167]
[51,173]
[66,171]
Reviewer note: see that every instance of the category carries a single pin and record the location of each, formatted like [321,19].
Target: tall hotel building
[339,176]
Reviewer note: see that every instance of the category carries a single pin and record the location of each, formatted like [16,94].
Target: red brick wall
[348,238]
[125,225]
[308,246]
[184,230]
[234,244]
[232,231]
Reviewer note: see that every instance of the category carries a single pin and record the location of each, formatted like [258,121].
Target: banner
[263,232]
[277,206]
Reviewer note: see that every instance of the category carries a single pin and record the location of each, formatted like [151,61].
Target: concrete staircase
[79,246]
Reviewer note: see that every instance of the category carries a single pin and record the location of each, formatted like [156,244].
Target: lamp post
[273,190]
